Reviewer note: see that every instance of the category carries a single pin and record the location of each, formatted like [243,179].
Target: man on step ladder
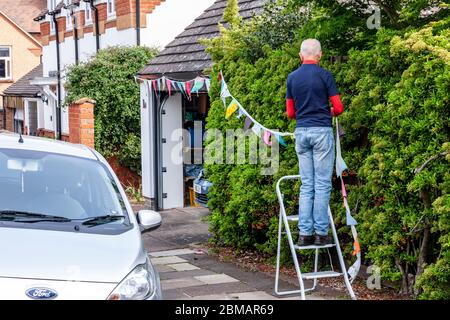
[309,88]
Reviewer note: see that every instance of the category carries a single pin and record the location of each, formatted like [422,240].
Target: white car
[67,230]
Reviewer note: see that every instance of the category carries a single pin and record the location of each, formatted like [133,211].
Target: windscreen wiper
[95,221]
[30,217]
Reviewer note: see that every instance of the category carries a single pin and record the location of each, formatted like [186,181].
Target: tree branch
[419,169]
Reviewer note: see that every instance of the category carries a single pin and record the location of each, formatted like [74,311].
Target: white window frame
[111,8]
[69,23]
[51,7]
[87,8]
[8,64]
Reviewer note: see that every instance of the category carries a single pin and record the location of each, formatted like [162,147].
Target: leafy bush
[395,86]
[108,78]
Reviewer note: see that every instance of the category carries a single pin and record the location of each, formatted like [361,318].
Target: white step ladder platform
[284,224]
[321,274]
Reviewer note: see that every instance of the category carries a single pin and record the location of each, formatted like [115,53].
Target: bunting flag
[198,84]
[257,129]
[280,140]
[169,86]
[341,166]
[247,124]
[188,89]
[231,109]
[266,138]
[224,92]
[208,84]
[154,85]
[240,113]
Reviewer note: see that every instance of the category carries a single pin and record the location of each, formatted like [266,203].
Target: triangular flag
[266,138]
[154,85]
[256,129]
[188,88]
[219,77]
[224,92]
[241,113]
[350,220]
[248,123]
[281,140]
[341,166]
[169,86]
[163,84]
[158,84]
[231,109]
[198,84]
[208,84]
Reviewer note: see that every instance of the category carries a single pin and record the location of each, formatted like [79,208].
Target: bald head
[311,50]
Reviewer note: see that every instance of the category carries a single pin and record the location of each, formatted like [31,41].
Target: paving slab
[167,260]
[183,267]
[162,269]
[175,252]
[216,279]
[180,283]
[172,274]
[221,288]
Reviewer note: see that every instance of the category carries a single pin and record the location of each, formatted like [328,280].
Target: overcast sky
[172,17]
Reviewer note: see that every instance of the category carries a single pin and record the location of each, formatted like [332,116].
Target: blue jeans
[315,151]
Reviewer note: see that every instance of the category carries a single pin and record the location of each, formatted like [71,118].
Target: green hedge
[108,78]
[395,86]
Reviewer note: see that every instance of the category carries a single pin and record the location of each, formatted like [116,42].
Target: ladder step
[320,274]
[293,218]
[314,247]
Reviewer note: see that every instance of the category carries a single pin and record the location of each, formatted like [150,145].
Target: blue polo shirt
[310,87]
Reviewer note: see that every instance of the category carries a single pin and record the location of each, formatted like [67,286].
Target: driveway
[189,273]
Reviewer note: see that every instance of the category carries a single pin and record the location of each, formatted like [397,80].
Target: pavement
[188,273]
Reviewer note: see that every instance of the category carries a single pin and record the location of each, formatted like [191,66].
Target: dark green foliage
[396,89]
[108,78]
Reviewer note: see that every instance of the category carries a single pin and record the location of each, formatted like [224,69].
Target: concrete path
[189,273]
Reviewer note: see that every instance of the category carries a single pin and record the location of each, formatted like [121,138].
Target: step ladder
[284,223]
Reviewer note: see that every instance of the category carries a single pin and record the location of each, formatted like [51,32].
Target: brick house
[72,31]
[20,49]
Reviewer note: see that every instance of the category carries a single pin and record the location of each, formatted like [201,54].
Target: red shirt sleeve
[338,107]
[290,108]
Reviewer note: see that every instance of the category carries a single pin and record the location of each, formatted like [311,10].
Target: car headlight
[139,284]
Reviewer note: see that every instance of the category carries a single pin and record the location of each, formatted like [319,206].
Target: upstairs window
[51,7]
[5,63]
[111,8]
[88,13]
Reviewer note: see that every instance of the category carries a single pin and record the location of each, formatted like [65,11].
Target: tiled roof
[185,55]
[22,12]
[22,87]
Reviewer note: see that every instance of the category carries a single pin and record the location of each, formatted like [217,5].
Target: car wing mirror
[149,220]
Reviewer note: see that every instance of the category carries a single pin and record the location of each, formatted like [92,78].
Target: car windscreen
[57,185]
